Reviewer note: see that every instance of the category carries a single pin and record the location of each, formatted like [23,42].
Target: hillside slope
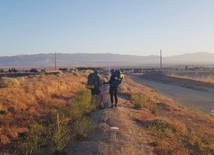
[130,139]
[189,132]
[158,127]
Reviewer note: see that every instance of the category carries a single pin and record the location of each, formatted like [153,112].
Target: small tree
[34,70]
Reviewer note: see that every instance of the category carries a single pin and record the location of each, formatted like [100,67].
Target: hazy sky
[135,27]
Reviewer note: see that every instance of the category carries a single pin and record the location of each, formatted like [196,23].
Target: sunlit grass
[32,99]
[6,82]
[56,104]
[63,125]
[208,79]
[172,128]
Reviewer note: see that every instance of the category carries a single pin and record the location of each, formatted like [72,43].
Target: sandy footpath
[127,140]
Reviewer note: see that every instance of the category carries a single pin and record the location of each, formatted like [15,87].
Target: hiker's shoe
[112,106]
[100,107]
[115,105]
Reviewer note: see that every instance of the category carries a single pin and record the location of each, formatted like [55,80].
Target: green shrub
[161,128]
[152,107]
[62,127]
[6,82]
[196,140]
[159,124]
[138,100]
[34,70]
[34,140]
[83,127]
[208,151]
[59,133]
[71,121]
[80,105]
[42,75]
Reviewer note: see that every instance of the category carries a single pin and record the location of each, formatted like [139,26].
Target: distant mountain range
[103,59]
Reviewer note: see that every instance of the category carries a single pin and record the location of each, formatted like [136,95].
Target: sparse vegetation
[83,127]
[139,100]
[64,125]
[6,82]
[194,76]
[59,133]
[32,141]
[58,106]
[38,100]
[172,129]
[170,136]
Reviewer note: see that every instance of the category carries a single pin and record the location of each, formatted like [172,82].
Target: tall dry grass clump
[6,82]
[138,101]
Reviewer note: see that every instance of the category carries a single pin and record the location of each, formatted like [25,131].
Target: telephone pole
[160,59]
[55,60]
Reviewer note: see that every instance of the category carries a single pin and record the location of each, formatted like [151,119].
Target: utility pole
[55,60]
[160,59]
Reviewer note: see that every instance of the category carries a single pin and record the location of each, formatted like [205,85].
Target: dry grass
[207,79]
[32,100]
[172,128]
[6,82]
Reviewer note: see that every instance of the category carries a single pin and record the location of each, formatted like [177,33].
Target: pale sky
[134,27]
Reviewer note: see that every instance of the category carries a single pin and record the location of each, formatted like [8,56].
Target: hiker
[113,88]
[94,84]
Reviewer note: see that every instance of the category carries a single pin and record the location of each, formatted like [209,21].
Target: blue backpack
[118,78]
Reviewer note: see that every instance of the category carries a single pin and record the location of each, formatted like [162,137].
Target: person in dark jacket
[113,90]
[97,91]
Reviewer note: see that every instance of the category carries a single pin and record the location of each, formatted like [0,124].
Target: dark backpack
[118,78]
[93,81]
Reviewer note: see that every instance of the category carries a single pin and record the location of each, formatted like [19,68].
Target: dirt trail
[129,139]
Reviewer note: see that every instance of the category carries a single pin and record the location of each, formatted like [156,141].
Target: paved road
[197,99]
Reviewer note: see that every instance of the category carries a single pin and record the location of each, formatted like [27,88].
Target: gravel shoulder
[197,95]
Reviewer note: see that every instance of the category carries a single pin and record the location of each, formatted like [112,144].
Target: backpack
[93,81]
[118,78]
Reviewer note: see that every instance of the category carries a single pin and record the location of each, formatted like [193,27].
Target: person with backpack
[93,84]
[114,82]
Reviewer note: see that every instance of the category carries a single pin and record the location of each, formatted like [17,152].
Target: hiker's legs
[115,96]
[101,98]
[92,99]
[95,92]
[101,106]
[111,95]
[92,96]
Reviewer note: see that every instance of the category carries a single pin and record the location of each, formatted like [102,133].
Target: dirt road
[197,95]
